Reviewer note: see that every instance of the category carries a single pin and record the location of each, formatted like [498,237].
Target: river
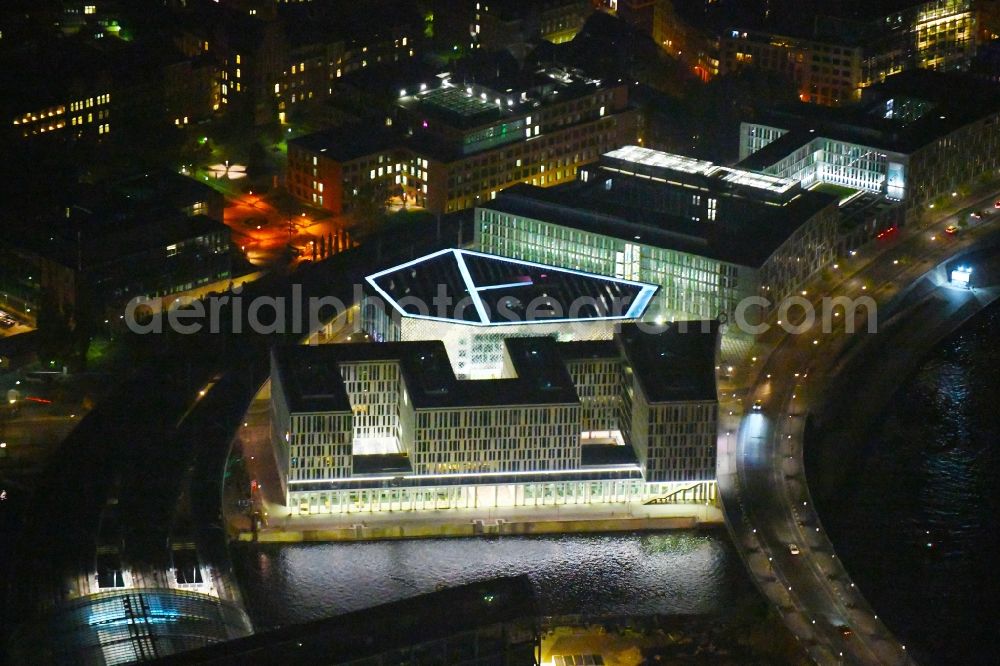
[917,527]
[635,574]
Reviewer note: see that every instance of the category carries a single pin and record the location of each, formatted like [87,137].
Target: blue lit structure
[126,626]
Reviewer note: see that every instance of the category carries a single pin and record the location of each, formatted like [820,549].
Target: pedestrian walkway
[619,517]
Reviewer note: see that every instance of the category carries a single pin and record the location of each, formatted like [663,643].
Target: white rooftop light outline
[470,286]
[658,158]
[761,181]
[664,160]
[636,308]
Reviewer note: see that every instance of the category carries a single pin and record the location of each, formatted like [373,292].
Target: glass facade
[554,493]
[691,286]
[126,627]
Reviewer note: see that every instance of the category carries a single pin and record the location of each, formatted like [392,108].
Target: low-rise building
[389,426]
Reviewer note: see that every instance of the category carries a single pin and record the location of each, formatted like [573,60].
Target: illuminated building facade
[841,56]
[500,23]
[89,116]
[472,302]
[708,236]
[695,45]
[389,426]
[469,25]
[916,137]
[277,59]
[319,57]
[451,147]
[823,72]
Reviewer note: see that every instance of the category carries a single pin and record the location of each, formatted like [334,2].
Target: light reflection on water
[933,477]
[681,572]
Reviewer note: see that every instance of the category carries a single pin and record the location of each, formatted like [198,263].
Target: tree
[369,206]
[54,333]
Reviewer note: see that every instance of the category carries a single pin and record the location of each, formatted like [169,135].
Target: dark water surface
[678,572]
[917,527]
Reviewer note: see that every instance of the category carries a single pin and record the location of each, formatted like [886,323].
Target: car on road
[757,406]
[976,215]
[793,549]
[951,230]
[997,204]
[844,630]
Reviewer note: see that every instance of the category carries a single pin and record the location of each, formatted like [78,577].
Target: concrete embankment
[415,529]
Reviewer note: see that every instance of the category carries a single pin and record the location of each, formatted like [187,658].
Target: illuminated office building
[472,302]
[831,63]
[707,235]
[389,426]
[914,138]
[449,146]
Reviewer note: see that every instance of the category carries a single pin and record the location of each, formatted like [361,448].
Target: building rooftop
[638,195]
[366,634]
[906,112]
[111,222]
[662,164]
[486,290]
[311,381]
[348,142]
[468,104]
[427,375]
[674,362]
